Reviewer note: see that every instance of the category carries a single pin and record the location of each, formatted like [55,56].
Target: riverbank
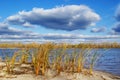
[51,62]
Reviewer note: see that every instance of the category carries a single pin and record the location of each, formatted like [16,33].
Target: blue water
[109,61]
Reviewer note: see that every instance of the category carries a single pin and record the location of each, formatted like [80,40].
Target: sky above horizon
[60,20]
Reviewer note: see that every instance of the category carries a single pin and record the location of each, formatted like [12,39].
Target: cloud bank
[5,29]
[116,28]
[9,34]
[117,13]
[97,30]
[70,17]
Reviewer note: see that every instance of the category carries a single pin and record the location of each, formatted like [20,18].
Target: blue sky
[60,20]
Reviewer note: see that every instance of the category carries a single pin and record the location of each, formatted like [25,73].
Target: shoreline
[108,73]
[24,72]
[97,75]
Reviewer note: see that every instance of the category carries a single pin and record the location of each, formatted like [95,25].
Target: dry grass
[81,45]
[61,60]
[40,59]
[10,63]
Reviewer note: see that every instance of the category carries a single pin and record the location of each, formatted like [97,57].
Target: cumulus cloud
[70,17]
[76,36]
[28,25]
[60,36]
[117,14]
[5,29]
[8,32]
[116,28]
[97,30]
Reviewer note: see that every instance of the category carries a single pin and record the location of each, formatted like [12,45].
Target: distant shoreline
[80,45]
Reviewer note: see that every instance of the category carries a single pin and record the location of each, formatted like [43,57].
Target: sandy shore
[25,72]
[97,75]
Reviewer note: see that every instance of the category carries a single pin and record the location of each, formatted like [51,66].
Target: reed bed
[52,56]
[80,45]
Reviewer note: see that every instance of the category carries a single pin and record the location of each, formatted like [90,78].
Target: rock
[2,64]
[106,77]
[2,74]
[27,66]
[50,73]
[17,70]
[4,69]
[10,76]
[17,64]
[29,72]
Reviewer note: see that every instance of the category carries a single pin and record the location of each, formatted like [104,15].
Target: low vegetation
[58,57]
[81,45]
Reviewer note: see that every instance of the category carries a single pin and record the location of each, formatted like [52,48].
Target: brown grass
[61,62]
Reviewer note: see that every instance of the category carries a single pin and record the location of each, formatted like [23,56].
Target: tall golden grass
[40,59]
[80,45]
[61,61]
[10,62]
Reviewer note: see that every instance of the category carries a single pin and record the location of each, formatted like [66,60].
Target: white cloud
[6,29]
[97,30]
[28,36]
[28,25]
[70,17]
[116,28]
[117,13]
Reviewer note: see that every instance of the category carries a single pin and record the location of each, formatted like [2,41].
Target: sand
[97,75]
[25,72]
